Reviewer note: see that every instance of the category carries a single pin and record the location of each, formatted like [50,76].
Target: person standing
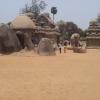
[60,48]
[65,46]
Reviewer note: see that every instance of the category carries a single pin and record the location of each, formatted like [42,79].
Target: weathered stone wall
[93,42]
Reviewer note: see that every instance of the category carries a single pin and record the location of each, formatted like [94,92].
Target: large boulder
[45,47]
[8,40]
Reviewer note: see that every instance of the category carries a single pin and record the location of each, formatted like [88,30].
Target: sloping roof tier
[47,18]
[52,33]
[94,30]
[47,33]
[45,29]
[93,37]
[22,22]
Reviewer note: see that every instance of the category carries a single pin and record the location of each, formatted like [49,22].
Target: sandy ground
[70,76]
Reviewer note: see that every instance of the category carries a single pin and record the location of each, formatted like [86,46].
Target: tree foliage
[68,28]
[61,26]
[36,7]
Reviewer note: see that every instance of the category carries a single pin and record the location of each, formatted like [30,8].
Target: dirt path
[70,76]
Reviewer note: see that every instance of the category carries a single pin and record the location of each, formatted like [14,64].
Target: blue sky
[78,11]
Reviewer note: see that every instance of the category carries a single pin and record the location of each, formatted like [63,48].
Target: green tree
[62,29]
[61,26]
[71,28]
[68,28]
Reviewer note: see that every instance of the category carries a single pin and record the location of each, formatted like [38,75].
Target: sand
[70,76]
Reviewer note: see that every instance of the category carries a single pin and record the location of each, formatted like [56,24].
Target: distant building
[93,33]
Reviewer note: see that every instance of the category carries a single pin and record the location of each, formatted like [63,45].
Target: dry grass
[70,76]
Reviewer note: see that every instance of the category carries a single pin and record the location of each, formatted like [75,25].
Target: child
[65,48]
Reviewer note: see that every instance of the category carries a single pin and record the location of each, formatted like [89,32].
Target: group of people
[62,46]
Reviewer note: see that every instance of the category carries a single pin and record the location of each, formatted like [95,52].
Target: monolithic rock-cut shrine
[93,34]
[36,28]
